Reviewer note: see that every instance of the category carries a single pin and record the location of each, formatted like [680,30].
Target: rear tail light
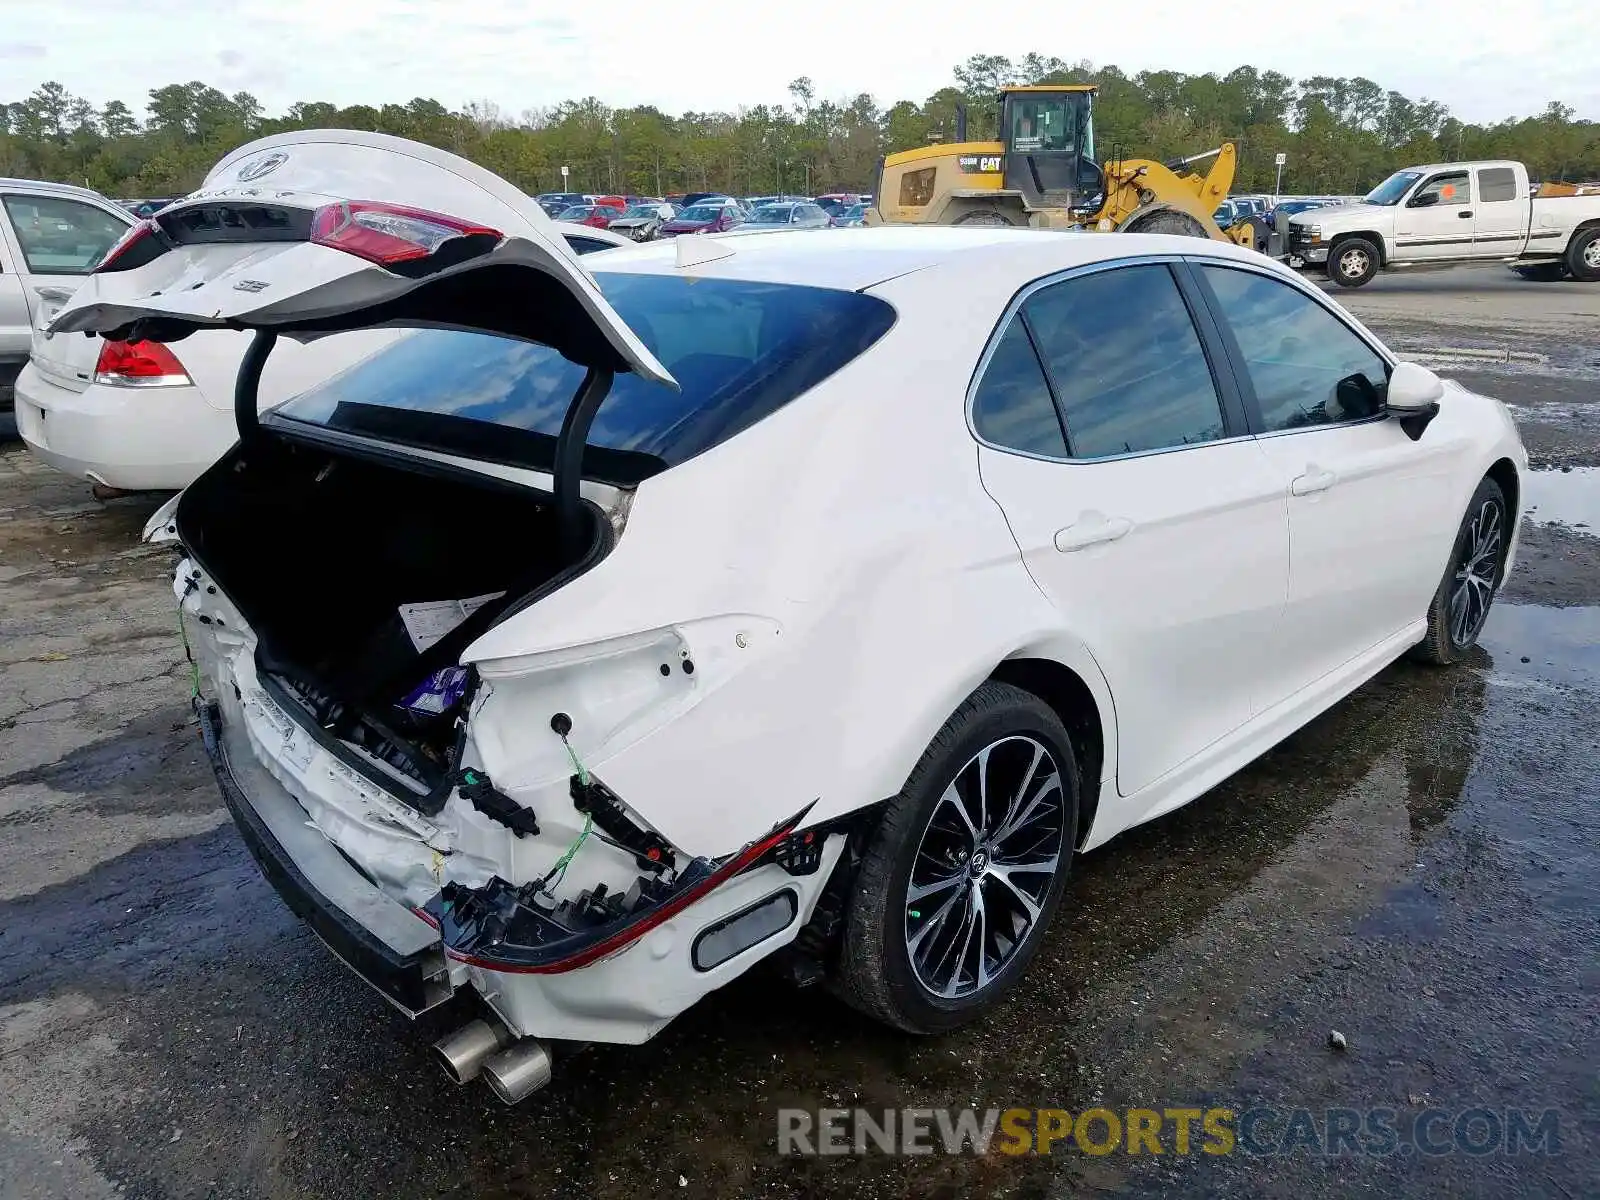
[139,364]
[133,249]
[388,234]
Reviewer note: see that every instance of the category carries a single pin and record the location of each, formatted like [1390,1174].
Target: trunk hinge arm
[568,473]
[247,383]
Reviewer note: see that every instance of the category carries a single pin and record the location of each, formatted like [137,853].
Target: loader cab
[1048,132]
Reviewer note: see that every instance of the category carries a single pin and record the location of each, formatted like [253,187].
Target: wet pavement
[1418,869]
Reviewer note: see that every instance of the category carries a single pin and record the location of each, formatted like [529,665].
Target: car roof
[857,259]
[58,189]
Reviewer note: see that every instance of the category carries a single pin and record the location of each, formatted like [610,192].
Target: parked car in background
[1226,214]
[556,203]
[1285,209]
[145,208]
[146,416]
[804,215]
[51,236]
[642,222]
[834,203]
[710,216]
[852,217]
[599,216]
[557,657]
[1452,214]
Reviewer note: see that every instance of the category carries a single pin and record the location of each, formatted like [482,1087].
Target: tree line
[1341,135]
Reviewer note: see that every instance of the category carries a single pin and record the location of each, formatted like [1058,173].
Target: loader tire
[1166,220]
[984,216]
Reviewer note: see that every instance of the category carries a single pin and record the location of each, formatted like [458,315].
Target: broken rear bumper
[380,939]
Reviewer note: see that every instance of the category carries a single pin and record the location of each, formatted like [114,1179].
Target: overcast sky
[1485,59]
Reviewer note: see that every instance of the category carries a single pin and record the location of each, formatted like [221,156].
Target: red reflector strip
[624,938]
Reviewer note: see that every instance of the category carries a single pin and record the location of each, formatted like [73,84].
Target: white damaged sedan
[624,623]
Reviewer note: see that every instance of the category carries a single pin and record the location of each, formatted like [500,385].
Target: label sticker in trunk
[429,622]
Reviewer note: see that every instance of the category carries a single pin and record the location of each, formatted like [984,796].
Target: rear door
[1437,220]
[1500,216]
[325,230]
[1141,507]
[54,242]
[1366,503]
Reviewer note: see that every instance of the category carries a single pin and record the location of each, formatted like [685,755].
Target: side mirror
[1413,397]
[1424,200]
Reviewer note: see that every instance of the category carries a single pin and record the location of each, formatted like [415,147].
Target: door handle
[1091,529]
[54,295]
[1314,480]
[1464,214]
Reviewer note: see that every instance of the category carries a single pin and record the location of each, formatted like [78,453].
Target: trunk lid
[322,231]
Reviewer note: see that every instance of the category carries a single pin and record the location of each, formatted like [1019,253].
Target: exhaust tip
[463,1052]
[516,1073]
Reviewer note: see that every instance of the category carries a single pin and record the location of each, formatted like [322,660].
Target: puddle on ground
[1569,498]
[1535,642]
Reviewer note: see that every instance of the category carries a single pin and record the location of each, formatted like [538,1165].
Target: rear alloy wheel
[1461,605]
[1583,255]
[967,868]
[1353,262]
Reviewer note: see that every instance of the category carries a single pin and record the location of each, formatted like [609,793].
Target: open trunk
[362,576]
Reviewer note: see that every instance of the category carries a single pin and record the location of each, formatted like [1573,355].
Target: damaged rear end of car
[427,800]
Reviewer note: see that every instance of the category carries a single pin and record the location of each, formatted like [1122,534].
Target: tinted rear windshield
[739,350]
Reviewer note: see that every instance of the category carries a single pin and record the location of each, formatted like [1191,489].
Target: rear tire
[1583,255]
[997,788]
[1477,559]
[1353,262]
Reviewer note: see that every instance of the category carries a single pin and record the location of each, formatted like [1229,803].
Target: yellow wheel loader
[1043,174]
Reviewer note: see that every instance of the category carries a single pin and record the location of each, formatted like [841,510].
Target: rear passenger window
[1012,406]
[1497,183]
[1307,367]
[1126,361]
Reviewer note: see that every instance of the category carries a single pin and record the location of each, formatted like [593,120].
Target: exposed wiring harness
[558,872]
[183,636]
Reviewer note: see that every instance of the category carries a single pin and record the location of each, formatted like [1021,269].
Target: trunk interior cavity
[320,550]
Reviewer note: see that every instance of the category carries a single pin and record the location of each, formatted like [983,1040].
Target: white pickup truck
[51,236]
[1451,214]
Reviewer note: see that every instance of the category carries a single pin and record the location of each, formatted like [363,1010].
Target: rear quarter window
[739,350]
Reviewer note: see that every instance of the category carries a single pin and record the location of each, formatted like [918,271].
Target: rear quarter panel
[855,520]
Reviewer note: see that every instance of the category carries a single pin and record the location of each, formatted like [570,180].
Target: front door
[1159,534]
[56,241]
[1436,221]
[1366,503]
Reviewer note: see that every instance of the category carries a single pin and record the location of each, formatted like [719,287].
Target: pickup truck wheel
[1353,262]
[1583,255]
